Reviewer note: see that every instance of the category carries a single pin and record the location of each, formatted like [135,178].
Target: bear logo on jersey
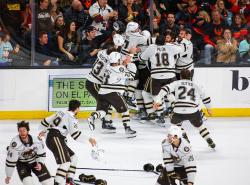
[28,154]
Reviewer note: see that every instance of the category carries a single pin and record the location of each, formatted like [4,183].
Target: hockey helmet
[118,40]
[148,167]
[175,131]
[114,57]
[159,168]
[132,26]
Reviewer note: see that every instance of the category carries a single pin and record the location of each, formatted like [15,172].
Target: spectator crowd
[71,32]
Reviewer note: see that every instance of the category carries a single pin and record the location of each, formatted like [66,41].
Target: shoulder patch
[13,144]
[121,69]
[186,149]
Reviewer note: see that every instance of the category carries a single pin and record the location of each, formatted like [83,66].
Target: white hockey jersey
[178,157]
[66,123]
[162,59]
[94,10]
[187,96]
[142,63]
[115,78]
[132,40]
[30,152]
[185,61]
[99,67]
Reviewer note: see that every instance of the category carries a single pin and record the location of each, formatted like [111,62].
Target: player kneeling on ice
[178,159]
[56,128]
[110,94]
[186,104]
[27,153]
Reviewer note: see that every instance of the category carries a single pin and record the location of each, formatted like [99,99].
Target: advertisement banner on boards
[228,87]
[63,88]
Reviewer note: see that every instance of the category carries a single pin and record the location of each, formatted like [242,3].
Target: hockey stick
[108,169]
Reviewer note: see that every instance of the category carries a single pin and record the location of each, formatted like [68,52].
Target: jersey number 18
[162,59]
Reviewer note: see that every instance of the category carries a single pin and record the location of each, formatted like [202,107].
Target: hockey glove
[173,176]
[100,182]
[87,178]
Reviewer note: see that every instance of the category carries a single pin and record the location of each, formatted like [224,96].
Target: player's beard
[24,137]
[170,140]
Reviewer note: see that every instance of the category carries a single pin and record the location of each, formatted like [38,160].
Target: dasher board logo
[63,88]
[240,82]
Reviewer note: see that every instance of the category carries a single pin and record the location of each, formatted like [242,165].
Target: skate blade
[161,124]
[108,131]
[131,136]
[135,118]
[143,121]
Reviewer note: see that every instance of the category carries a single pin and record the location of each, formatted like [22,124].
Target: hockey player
[57,127]
[186,105]
[27,153]
[143,74]
[185,61]
[179,162]
[133,38]
[96,75]
[111,90]
[161,58]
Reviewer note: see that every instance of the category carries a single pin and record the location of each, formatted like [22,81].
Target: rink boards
[28,93]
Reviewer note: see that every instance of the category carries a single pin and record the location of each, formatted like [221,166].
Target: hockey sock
[139,99]
[125,119]
[204,132]
[98,114]
[148,102]
[62,172]
[160,109]
[131,87]
[72,168]
[109,114]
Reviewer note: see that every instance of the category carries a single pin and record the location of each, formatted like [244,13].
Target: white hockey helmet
[118,40]
[132,26]
[114,57]
[174,131]
[146,33]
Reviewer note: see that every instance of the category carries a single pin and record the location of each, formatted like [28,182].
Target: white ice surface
[228,165]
